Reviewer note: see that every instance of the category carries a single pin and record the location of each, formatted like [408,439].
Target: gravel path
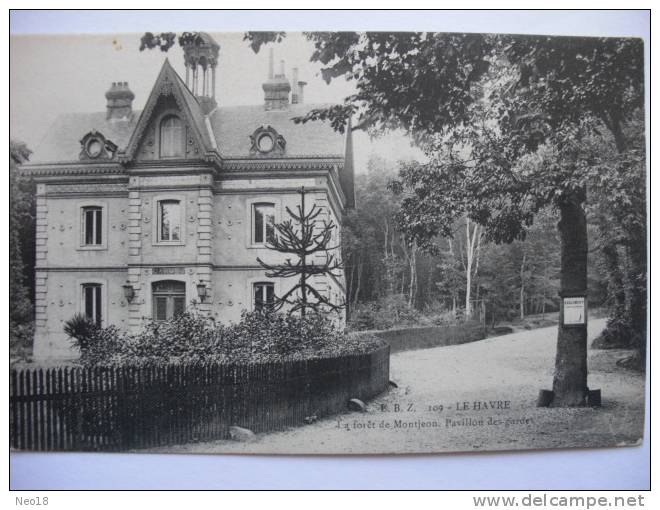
[471,397]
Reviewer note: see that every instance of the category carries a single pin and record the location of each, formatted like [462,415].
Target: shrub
[618,334]
[20,341]
[192,338]
[80,329]
[386,313]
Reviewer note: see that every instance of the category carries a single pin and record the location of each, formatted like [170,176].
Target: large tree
[503,120]
[502,148]
[524,150]
[21,247]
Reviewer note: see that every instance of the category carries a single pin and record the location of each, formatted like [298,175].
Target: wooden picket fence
[123,408]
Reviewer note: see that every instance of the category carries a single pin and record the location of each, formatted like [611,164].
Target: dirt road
[471,397]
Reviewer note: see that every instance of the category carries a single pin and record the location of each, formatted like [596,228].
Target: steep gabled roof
[225,130]
[169,83]
[61,142]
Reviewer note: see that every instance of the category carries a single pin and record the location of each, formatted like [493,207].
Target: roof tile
[232,127]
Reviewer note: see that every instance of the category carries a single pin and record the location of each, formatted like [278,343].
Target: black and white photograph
[339,242]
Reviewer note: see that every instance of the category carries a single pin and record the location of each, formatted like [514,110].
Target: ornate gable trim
[167,84]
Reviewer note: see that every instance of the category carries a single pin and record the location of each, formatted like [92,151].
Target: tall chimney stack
[297,96]
[120,101]
[276,88]
[301,95]
[294,88]
[270,64]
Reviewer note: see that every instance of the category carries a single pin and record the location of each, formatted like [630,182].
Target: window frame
[250,218]
[156,220]
[165,117]
[264,229]
[81,227]
[263,283]
[259,277]
[173,225]
[170,296]
[103,284]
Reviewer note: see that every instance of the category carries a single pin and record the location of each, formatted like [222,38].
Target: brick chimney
[276,88]
[301,95]
[120,100]
[297,96]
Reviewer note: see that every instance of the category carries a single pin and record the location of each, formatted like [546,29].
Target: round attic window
[94,148]
[265,143]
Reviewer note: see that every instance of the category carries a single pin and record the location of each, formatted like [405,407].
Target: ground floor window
[169,299]
[264,295]
[92,302]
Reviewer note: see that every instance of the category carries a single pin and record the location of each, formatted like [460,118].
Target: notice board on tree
[575,312]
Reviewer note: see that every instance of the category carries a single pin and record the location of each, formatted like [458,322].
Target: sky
[55,74]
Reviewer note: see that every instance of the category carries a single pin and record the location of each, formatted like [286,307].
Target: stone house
[141,214]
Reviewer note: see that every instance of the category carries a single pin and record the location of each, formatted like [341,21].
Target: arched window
[171,137]
[169,299]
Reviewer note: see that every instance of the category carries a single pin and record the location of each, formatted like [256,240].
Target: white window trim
[185,296]
[249,222]
[191,290]
[155,237]
[81,246]
[261,279]
[104,296]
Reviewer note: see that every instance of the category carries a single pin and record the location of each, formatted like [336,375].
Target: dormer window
[96,146]
[266,141]
[171,137]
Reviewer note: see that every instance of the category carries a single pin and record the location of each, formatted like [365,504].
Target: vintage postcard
[327,242]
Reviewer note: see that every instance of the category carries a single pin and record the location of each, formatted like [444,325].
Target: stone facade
[215,194]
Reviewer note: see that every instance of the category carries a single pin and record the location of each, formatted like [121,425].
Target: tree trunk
[303,261]
[472,243]
[357,287]
[637,303]
[387,235]
[413,275]
[545,280]
[570,379]
[351,283]
[522,287]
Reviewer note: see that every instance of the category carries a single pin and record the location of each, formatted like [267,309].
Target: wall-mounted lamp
[129,292]
[201,291]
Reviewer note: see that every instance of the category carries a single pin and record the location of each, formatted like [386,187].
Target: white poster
[574,311]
